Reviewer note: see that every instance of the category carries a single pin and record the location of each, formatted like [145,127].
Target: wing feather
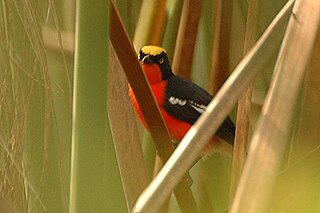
[186,101]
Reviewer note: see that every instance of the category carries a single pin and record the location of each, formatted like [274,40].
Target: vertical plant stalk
[186,38]
[244,103]
[205,204]
[93,187]
[51,40]
[158,164]
[274,127]
[61,47]
[159,23]
[306,135]
[151,12]
[221,45]
[125,133]
[174,8]
[149,108]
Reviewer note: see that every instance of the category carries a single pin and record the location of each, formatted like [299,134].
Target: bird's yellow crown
[152,50]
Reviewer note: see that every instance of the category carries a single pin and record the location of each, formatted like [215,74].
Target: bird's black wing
[186,101]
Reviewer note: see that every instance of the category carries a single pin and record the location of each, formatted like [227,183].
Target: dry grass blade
[274,127]
[23,70]
[174,8]
[221,44]
[201,132]
[152,19]
[51,40]
[244,103]
[139,84]
[306,134]
[59,35]
[127,145]
[159,23]
[186,38]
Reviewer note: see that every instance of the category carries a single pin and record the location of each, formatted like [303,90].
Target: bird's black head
[154,55]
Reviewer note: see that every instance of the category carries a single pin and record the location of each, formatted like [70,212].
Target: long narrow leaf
[145,26]
[306,134]
[125,133]
[186,38]
[221,44]
[93,187]
[244,103]
[174,8]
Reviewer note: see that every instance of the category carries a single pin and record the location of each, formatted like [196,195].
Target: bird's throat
[153,73]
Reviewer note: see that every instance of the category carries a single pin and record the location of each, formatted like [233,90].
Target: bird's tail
[223,144]
[227,131]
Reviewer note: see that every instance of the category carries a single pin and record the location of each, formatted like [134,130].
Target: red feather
[176,128]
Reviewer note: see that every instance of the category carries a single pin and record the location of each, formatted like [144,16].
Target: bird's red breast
[176,128]
[153,73]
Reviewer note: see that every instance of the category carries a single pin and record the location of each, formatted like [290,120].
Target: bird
[181,102]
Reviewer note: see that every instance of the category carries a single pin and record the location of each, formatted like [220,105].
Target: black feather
[184,100]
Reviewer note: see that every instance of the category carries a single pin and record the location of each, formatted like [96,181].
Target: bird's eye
[161,60]
[139,56]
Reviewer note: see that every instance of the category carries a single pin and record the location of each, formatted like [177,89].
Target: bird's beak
[146,60]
